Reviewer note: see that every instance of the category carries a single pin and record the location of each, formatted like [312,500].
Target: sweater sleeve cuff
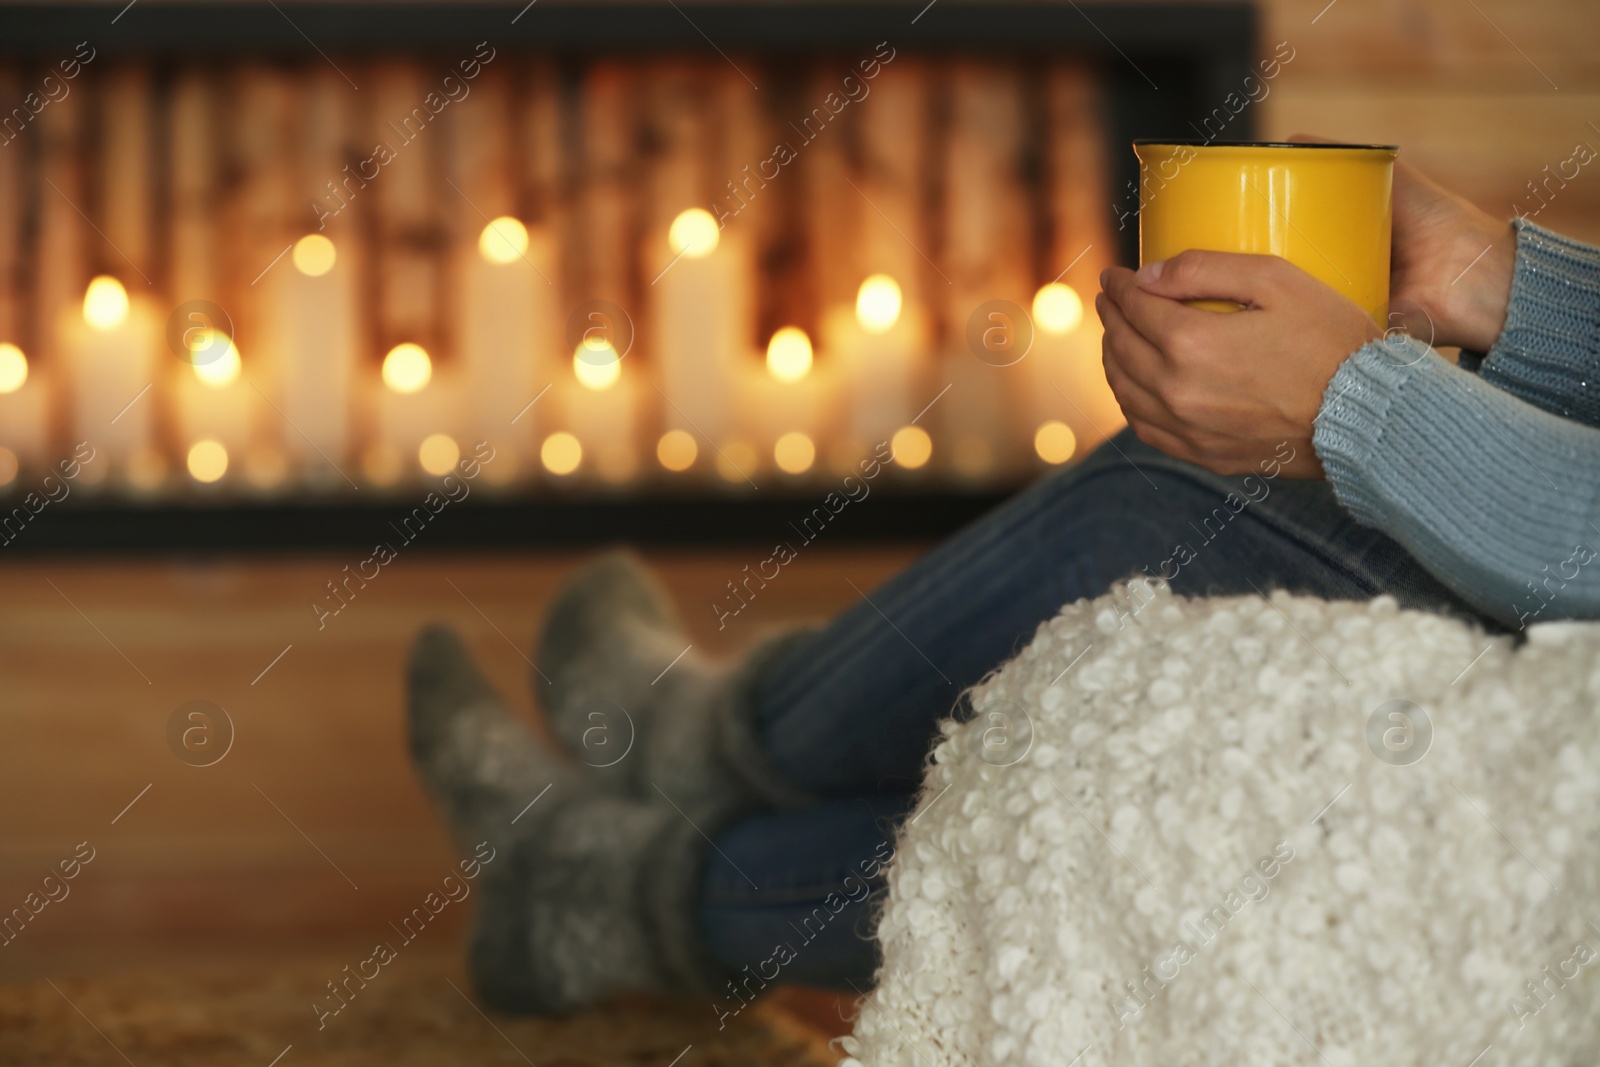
[1350,428]
[1548,351]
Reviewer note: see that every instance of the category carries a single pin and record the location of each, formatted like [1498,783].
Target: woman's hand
[1450,262]
[1225,389]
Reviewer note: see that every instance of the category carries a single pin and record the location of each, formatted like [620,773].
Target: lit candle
[212,398]
[1066,378]
[702,305]
[601,402]
[315,294]
[789,394]
[507,321]
[115,351]
[413,405]
[316,307]
[24,397]
[881,342]
[112,348]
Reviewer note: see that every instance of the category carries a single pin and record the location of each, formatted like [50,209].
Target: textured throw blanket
[1241,831]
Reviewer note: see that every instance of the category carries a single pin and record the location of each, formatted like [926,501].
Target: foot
[651,717]
[482,766]
[581,893]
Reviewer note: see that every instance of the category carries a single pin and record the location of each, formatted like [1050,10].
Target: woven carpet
[420,1015]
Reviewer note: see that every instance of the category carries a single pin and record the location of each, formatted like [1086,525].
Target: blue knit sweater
[1491,479]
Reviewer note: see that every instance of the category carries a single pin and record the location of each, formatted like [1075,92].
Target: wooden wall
[246,861]
[1480,94]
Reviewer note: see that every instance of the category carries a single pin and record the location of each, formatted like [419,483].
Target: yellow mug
[1326,208]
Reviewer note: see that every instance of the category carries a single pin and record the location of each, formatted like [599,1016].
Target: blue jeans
[851,713]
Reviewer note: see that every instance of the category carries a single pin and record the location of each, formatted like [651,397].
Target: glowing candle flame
[407,368]
[878,304]
[596,365]
[314,255]
[13,368]
[694,233]
[105,303]
[1057,308]
[504,240]
[789,354]
[215,358]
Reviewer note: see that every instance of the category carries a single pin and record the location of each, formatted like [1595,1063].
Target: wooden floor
[312,833]
[414,1014]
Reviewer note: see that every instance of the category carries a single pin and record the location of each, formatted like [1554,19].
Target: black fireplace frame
[1166,66]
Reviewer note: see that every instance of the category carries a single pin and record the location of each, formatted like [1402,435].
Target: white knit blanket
[1165,838]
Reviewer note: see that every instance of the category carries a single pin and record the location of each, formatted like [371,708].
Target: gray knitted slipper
[581,893]
[652,718]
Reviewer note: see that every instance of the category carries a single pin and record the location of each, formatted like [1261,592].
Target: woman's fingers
[1151,300]
[1133,369]
[1138,403]
[1137,357]
[1155,318]
[1251,280]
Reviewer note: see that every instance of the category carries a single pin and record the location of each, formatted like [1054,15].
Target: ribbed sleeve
[1497,498]
[1549,352]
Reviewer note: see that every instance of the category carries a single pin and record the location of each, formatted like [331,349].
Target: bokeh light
[878,304]
[438,453]
[407,368]
[221,364]
[1055,442]
[13,368]
[105,303]
[677,450]
[596,364]
[789,354]
[208,460]
[911,446]
[314,255]
[561,453]
[1057,308]
[694,233]
[794,453]
[503,240]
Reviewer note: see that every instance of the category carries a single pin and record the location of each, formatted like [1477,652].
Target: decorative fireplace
[269,273]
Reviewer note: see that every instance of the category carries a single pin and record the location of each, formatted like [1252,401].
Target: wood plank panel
[1485,146]
[250,857]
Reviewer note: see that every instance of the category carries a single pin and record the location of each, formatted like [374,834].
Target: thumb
[1251,280]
